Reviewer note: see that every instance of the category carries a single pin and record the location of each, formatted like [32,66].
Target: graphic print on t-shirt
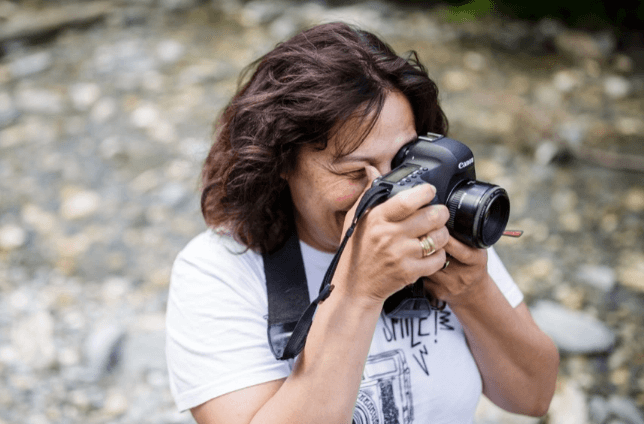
[419,332]
[385,392]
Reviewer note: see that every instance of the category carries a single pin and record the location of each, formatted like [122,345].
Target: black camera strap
[290,314]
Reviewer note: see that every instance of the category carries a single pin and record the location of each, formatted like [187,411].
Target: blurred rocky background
[106,110]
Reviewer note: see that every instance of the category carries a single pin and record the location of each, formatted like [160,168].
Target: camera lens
[478,212]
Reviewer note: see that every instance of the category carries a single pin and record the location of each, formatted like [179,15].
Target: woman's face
[324,187]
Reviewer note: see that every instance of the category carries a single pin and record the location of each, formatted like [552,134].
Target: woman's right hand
[384,253]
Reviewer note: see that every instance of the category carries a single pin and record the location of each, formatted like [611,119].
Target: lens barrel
[479,213]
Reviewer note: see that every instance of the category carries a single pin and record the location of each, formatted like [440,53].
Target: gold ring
[445,265]
[428,246]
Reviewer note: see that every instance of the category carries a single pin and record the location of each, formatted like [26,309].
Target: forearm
[325,381]
[517,361]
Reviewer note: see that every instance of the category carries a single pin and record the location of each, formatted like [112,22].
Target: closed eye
[355,175]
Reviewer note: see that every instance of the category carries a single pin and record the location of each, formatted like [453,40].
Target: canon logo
[466,163]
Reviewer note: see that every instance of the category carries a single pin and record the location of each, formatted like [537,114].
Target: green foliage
[469,11]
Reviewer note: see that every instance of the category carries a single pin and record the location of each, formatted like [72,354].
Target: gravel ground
[105,116]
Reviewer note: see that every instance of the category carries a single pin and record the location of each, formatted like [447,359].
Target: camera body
[478,211]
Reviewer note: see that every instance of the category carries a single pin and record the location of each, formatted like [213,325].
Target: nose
[372,172]
[384,168]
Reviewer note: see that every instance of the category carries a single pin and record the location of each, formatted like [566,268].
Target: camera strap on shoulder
[290,314]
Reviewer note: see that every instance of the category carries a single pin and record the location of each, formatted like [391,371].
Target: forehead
[372,136]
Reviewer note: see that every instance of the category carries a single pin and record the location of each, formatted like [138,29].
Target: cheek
[348,194]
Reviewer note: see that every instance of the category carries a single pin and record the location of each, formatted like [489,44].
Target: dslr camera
[478,211]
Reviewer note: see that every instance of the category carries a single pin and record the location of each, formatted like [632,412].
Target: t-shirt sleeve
[503,279]
[216,327]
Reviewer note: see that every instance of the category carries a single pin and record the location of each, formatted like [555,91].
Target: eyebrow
[363,158]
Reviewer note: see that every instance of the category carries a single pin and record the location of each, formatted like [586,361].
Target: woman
[322,115]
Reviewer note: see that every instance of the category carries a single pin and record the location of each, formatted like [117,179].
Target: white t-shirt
[418,370]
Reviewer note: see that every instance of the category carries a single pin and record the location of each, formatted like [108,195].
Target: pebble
[572,331]
[115,404]
[31,64]
[170,51]
[568,405]
[12,237]
[80,204]
[33,338]
[84,95]
[39,100]
[623,63]
[103,110]
[145,116]
[456,81]
[546,152]
[617,87]
[578,45]
[564,200]
[601,277]
[257,12]
[632,276]
[474,61]
[566,80]
[548,95]
[8,112]
[634,200]
[618,407]
[144,351]
[103,350]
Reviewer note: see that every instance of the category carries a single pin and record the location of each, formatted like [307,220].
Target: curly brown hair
[302,92]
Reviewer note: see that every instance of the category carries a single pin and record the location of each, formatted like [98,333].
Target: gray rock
[37,22]
[84,95]
[601,277]
[616,409]
[625,408]
[572,331]
[169,51]
[178,5]
[30,65]
[172,193]
[578,45]
[145,351]
[33,339]
[546,152]
[8,112]
[103,350]
[257,12]
[39,100]
[598,409]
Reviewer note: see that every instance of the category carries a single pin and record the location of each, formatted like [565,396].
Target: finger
[463,253]
[428,265]
[425,220]
[437,238]
[405,203]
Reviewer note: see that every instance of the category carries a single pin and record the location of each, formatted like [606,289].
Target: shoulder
[213,253]
[216,262]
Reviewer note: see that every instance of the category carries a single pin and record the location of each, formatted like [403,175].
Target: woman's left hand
[458,282]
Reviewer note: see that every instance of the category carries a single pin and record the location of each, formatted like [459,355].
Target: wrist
[473,296]
[354,299]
